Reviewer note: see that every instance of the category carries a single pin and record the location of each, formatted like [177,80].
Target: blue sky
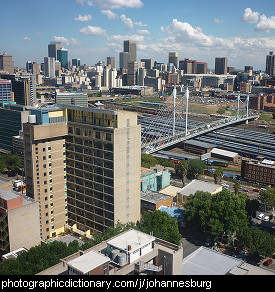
[243,31]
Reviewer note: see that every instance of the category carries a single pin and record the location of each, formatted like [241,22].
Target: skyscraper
[111,61]
[124,58]
[6,63]
[53,47]
[49,63]
[173,58]
[62,57]
[76,62]
[221,66]
[270,64]
[131,48]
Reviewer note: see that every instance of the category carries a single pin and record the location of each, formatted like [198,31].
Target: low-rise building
[194,186]
[152,201]
[154,178]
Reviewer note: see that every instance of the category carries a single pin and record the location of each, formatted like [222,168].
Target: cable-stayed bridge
[171,125]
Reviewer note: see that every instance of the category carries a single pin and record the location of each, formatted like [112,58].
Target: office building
[103,168]
[49,63]
[149,63]
[45,168]
[270,64]
[131,48]
[124,59]
[133,68]
[62,57]
[221,66]
[72,98]
[111,61]
[201,68]
[173,58]
[6,63]
[53,47]
[6,94]
[188,66]
[76,62]
[19,220]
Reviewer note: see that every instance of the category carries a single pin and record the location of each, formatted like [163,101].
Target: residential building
[45,168]
[221,66]
[6,63]
[270,64]
[173,58]
[19,220]
[103,168]
[262,171]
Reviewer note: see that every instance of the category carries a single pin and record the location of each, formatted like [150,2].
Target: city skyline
[94,30]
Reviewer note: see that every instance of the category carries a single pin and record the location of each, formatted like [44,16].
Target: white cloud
[26,38]
[93,31]
[128,21]
[67,42]
[250,16]
[140,23]
[120,38]
[265,24]
[110,14]
[143,32]
[114,4]
[216,20]
[81,18]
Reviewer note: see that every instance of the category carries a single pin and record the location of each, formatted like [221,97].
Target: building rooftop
[198,185]
[170,190]
[224,152]
[8,195]
[133,238]
[174,212]
[199,144]
[153,197]
[88,261]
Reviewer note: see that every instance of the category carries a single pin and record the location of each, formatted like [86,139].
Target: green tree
[218,174]
[148,160]
[267,197]
[196,167]
[162,225]
[237,187]
[182,168]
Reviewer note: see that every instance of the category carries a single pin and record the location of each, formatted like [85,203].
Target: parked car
[266,218]
[268,262]
[246,190]
[261,216]
[256,190]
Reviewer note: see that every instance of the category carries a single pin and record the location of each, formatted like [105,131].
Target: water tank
[32,119]
[121,259]
[114,254]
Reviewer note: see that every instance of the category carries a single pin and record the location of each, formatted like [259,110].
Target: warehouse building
[225,155]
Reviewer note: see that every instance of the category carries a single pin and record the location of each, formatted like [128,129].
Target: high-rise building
[53,47]
[45,168]
[221,66]
[6,63]
[188,66]
[111,61]
[49,63]
[201,68]
[131,48]
[124,59]
[103,168]
[62,57]
[6,94]
[76,62]
[149,63]
[173,58]
[270,64]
